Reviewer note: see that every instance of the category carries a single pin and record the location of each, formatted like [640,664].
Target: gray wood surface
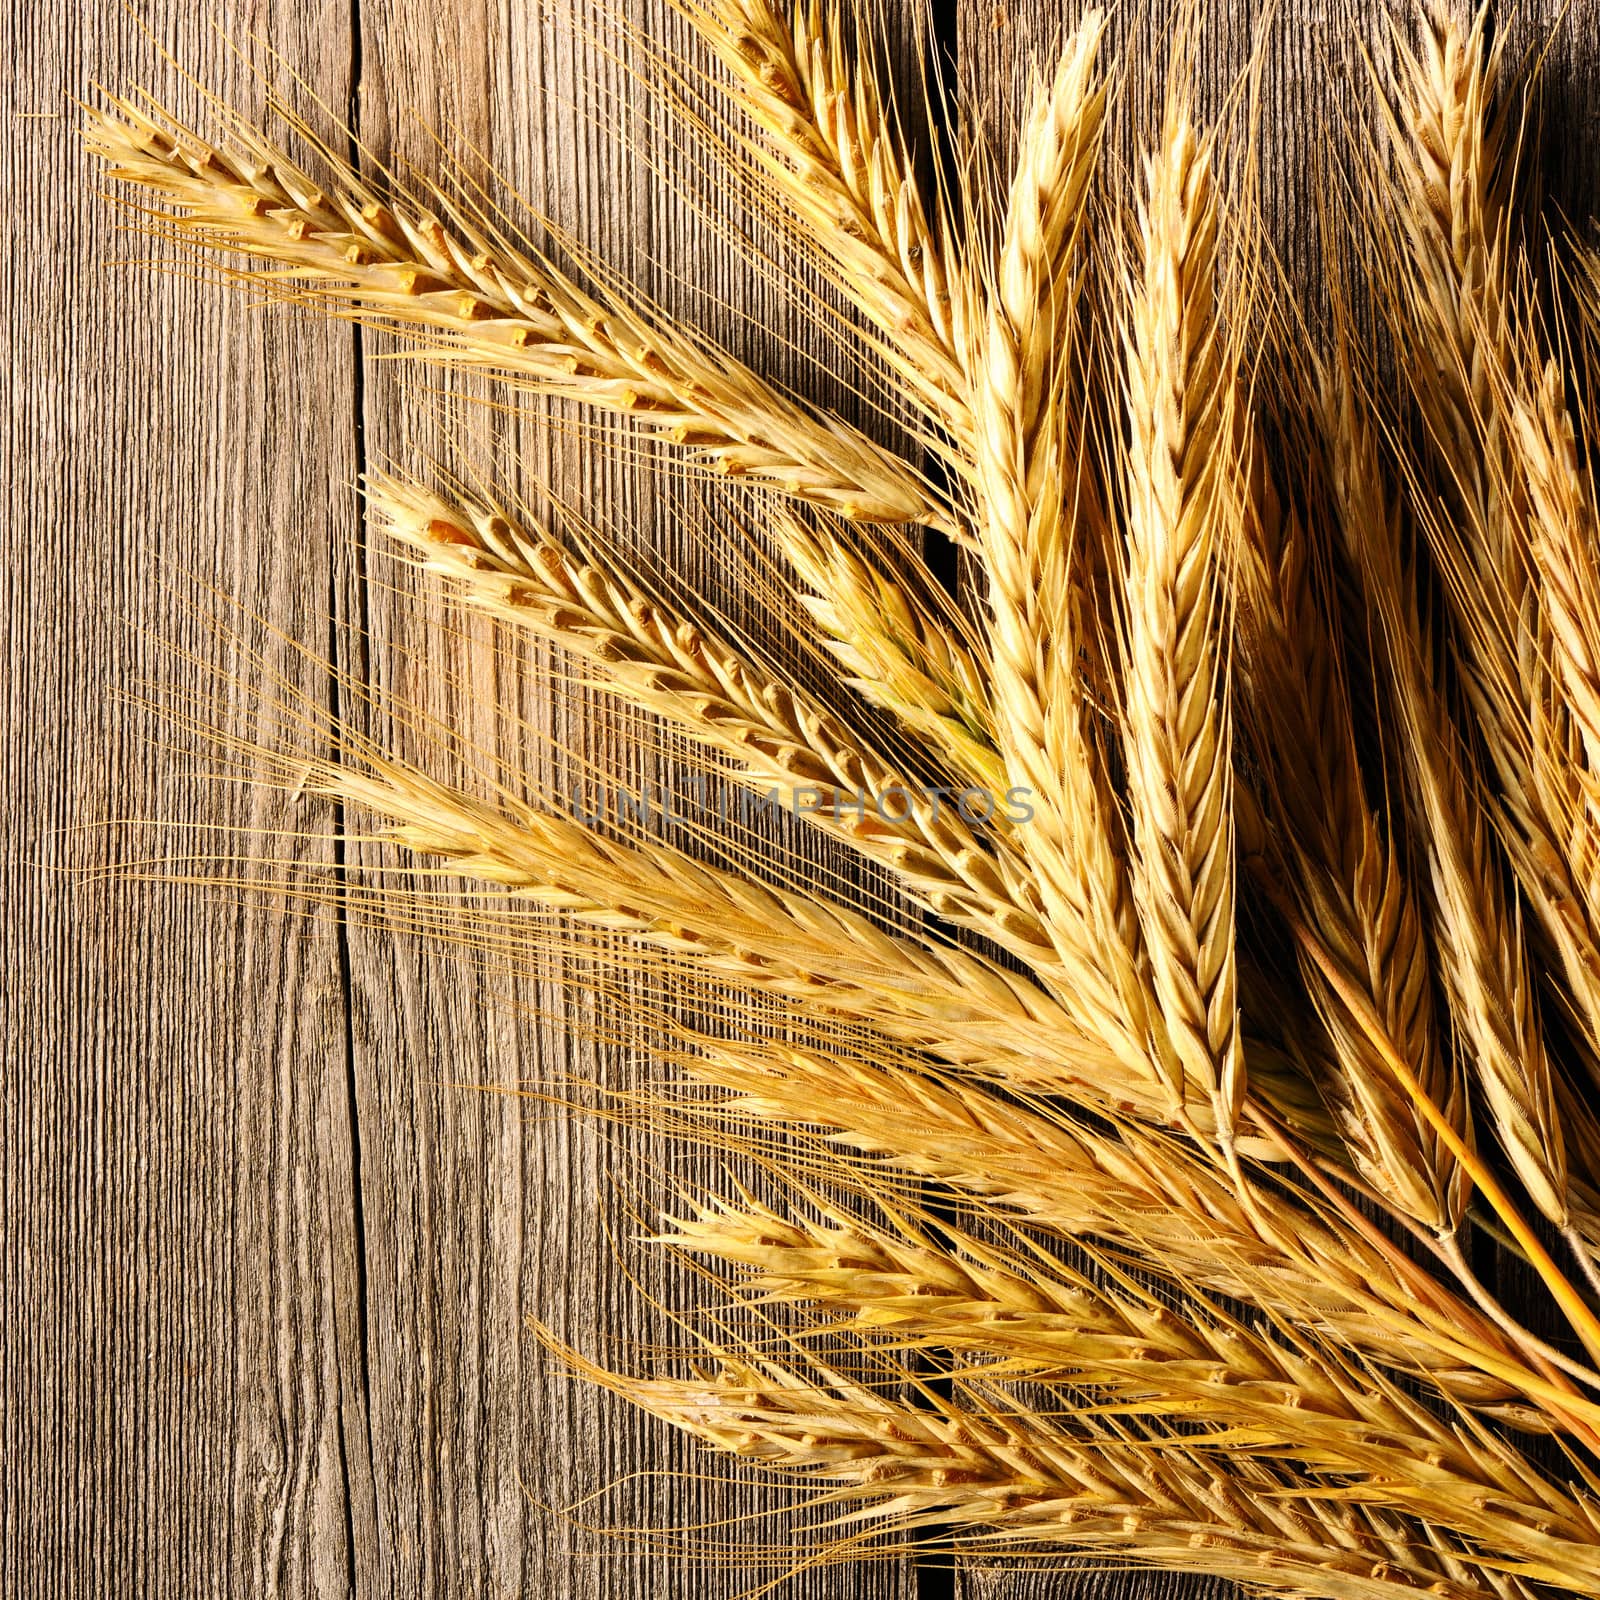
[268,1248]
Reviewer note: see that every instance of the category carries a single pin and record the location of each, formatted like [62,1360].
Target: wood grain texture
[269,1249]
[180,1262]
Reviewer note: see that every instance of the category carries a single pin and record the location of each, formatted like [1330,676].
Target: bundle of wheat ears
[1220,958]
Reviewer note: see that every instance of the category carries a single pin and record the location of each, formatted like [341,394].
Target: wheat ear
[902,1284]
[680,669]
[1450,307]
[1030,455]
[952,1003]
[1564,533]
[1499,441]
[469,297]
[837,164]
[995,1473]
[1480,944]
[1349,884]
[1335,855]
[1138,1197]
[1448,140]
[902,640]
[1185,497]
[1582,281]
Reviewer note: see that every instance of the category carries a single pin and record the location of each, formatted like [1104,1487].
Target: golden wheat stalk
[1482,959]
[903,641]
[1007,1476]
[1011,1317]
[470,298]
[1023,362]
[1031,454]
[1452,308]
[1340,863]
[837,164]
[1185,498]
[779,741]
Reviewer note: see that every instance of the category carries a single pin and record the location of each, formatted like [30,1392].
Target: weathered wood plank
[268,1252]
[177,1157]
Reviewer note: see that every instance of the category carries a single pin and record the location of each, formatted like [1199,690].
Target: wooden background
[268,1248]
